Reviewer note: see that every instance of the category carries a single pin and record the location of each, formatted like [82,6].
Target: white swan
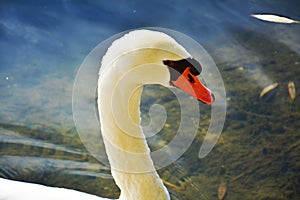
[139,57]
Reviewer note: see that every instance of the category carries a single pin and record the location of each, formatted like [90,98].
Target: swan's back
[15,190]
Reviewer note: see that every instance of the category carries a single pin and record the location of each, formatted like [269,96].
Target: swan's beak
[190,84]
[184,76]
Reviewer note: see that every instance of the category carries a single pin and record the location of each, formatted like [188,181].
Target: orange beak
[190,84]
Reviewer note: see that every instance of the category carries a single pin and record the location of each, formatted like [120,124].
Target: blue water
[43,43]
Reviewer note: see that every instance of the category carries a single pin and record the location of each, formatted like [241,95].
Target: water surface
[43,44]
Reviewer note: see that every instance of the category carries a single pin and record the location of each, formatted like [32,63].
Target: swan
[137,58]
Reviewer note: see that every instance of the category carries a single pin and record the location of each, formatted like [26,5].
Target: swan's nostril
[191,78]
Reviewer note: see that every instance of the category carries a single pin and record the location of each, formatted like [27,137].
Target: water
[43,44]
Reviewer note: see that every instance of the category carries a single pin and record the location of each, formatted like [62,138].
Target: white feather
[274,18]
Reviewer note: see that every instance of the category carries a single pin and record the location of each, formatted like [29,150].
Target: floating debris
[222,190]
[274,18]
[292,90]
[269,91]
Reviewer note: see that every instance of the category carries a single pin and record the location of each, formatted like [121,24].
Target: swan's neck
[120,90]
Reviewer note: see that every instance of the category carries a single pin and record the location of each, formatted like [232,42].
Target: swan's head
[183,75]
[139,51]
